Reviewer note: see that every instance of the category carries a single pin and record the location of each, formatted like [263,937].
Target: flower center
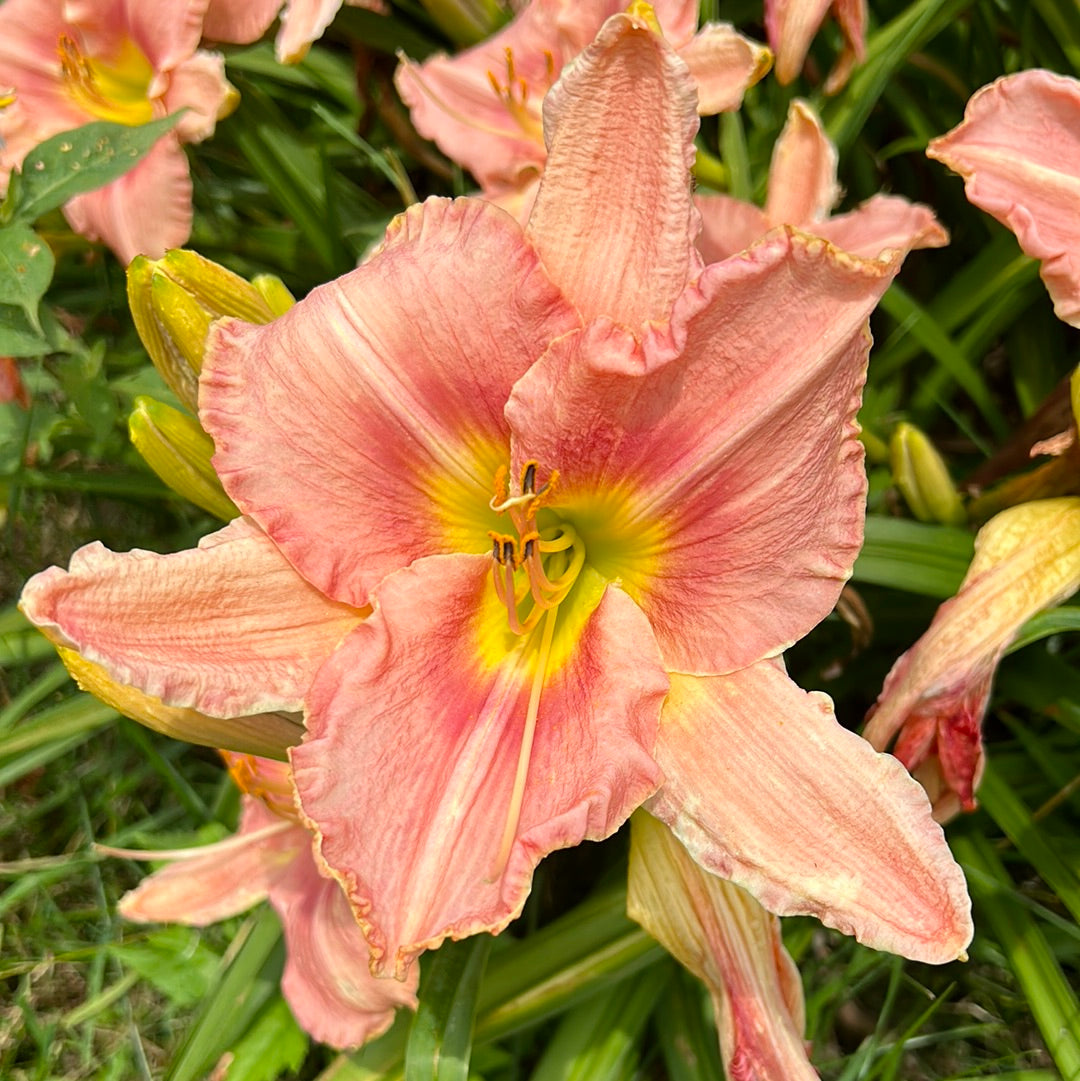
[515,96]
[117,89]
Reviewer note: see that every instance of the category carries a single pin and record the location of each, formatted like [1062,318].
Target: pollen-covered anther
[515,95]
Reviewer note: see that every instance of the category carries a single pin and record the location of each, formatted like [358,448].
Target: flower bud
[175,299]
[179,452]
[266,734]
[923,478]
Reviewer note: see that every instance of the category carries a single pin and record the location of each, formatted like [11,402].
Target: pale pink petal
[374,406]
[417,733]
[302,21]
[727,226]
[722,935]
[790,26]
[1018,150]
[199,86]
[882,223]
[145,212]
[723,64]
[228,628]
[692,457]
[802,177]
[239,22]
[220,880]
[639,158]
[766,789]
[1027,558]
[850,16]
[327,982]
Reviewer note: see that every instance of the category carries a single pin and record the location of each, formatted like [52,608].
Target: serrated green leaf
[26,268]
[82,160]
[440,1040]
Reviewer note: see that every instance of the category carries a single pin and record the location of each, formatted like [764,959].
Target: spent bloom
[483,106]
[71,62]
[528,517]
[326,981]
[803,189]
[1018,150]
[790,26]
[1027,558]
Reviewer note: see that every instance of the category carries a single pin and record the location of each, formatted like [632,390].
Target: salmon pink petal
[638,157]
[212,882]
[239,21]
[166,33]
[302,22]
[327,982]
[723,64]
[363,428]
[419,741]
[228,628]
[1018,150]
[699,452]
[146,211]
[791,26]
[802,175]
[883,222]
[722,935]
[199,86]
[728,226]
[766,789]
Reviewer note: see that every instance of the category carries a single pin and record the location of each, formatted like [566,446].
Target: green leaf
[18,336]
[440,1040]
[175,960]
[26,268]
[81,160]
[273,1045]
[912,556]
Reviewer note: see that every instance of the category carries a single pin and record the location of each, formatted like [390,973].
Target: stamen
[513,814]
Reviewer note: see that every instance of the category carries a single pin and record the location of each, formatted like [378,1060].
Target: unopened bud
[920,473]
[179,452]
[174,301]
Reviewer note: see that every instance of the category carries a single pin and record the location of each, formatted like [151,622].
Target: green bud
[179,451]
[923,478]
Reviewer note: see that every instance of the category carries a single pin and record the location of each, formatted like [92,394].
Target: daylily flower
[302,22]
[722,935]
[528,517]
[326,981]
[1018,150]
[803,189]
[483,106]
[1027,559]
[75,61]
[791,25]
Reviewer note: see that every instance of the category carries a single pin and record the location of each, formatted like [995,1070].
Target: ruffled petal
[766,789]
[327,982]
[1018,150]
[732,471]
[418,737]
[723,64]
[362,429]
[228,628]
[882,223]
[199,86]
[722,935]
[620,122]
[802,176]
[145,212]
[728,226]
[213,882]
[302,22]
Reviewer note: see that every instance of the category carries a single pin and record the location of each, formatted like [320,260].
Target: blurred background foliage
[300,182]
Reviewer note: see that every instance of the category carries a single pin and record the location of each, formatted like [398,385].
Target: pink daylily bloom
[803,189]
[326,981]
[1018,150]
[790,26]
[302,22]
[568,470]
[483,106]
[71,62]
[1027,559]
[722,935]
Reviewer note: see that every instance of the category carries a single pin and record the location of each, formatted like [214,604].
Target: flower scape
[528,514]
